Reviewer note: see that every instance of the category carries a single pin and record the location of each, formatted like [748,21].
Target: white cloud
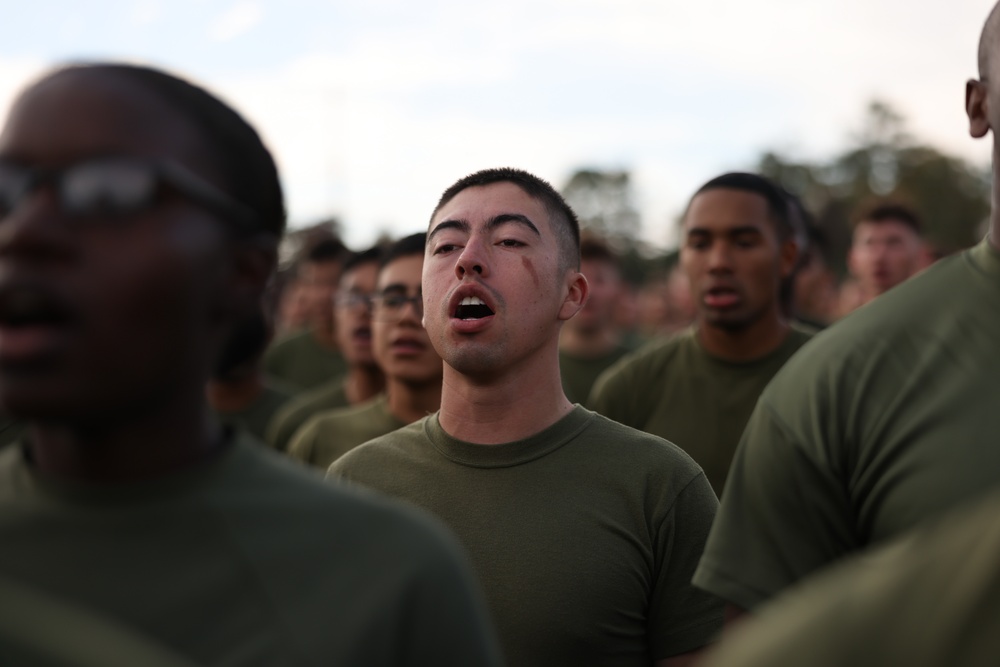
[236,21]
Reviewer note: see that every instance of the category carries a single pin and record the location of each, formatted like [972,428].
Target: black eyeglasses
[116,187]
[390,306]
[351,300]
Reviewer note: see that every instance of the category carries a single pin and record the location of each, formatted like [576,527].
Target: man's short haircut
[889,212]
[327,250]
[372,255]
[244,163]
[566,225]
[413,244]
[777,202]
[987,40]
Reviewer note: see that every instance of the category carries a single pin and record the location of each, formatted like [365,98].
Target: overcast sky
[373,107]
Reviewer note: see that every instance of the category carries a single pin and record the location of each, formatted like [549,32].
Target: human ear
[576,295]
[254,260]
[977,108]
[789,257]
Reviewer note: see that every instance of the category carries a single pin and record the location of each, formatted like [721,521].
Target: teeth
[472,301]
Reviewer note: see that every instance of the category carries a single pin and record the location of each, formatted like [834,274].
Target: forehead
[721,209]
[360,275]
[74,115]
[883,229]
[478,204]
[403,270]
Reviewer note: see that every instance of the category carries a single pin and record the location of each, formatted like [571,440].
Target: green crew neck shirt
[675,389]
[580,373]
[888,419]
[301,361]
[328,436]
[247,559]
[301,408]
[584,535]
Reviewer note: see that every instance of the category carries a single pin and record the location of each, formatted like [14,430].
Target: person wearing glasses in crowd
[584,532]
[411,365]
[140,223]
[363,379]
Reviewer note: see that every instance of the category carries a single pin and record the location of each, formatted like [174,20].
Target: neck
[590,343]
[136,446]
[409,402]
[509,406]
[753,342]
[236,392]
[364,381]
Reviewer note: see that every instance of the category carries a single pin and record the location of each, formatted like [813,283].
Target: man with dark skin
[698,388]
[140,221]
[887,420]
[581,530]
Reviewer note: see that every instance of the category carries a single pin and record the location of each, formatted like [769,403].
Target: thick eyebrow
[508,218]
[735,231]
[460,225]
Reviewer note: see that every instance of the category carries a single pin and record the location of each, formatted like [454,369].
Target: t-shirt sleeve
[784,514]
[683,618]
[611,394]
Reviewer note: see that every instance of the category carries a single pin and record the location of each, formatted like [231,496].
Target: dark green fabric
[250,559]
[887,418]
[584,535]
[11,430]
[38,630]
[579,374]
[673,388]
[303,407]
[329,435]
[255,417]
[929,600]
[302,362]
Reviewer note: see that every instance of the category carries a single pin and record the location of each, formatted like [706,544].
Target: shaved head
[987,40]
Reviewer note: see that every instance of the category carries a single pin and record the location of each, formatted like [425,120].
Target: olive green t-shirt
[39,630]
[302,407]
[329,435]
[887,418]
[673,388]
[580,373]
[249,559]
[255,417]
[584,535]
[302,361]
[928,600]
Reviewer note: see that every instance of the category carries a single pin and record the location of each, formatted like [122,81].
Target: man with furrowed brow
[584,533]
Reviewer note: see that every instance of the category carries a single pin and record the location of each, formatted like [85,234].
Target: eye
[444,248]
[511,243]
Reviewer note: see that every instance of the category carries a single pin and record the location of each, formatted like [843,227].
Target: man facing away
[698,388]
[583,531]
[401,348]
[889,419]
[140,222]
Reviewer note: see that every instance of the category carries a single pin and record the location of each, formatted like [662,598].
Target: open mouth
[22,308]
[472,308]
[721,297]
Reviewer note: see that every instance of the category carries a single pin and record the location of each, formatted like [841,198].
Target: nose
[719,257]
[472,260]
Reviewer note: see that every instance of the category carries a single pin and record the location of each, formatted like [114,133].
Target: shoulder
[405,443]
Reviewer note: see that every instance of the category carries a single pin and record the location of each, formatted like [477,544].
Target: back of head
[566,226]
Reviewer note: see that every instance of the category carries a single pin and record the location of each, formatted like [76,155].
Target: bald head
[988,41]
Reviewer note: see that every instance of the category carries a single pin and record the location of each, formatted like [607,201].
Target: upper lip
[31,302]
[717,287]
[408,340]
[470,289]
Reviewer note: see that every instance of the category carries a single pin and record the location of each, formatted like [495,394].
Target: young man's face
[318,282]
[401,345]
[733,258]
[102,315]
[883,254]
[354,321]
[494,287]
